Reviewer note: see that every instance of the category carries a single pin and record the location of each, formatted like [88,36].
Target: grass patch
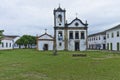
[29,64]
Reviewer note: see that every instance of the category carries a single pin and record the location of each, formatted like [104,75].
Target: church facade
[45,42]
[69,36]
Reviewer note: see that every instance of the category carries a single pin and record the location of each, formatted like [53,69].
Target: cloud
[33,16]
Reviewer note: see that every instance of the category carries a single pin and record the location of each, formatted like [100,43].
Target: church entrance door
[77,46]
[45,46]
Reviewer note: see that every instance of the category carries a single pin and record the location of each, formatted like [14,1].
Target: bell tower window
[60,35]
[60,18]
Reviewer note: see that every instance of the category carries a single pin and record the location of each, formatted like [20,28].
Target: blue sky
[18,17]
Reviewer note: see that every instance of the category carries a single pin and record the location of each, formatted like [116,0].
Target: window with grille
[82,35]
[60,35]
[77,35]
[71,35]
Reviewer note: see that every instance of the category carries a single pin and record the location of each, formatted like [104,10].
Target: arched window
[60,18]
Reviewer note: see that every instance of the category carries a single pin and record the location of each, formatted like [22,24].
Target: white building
[113,38]
[45,42]
[69,36]
[109,39]
[97,40]
[8,42]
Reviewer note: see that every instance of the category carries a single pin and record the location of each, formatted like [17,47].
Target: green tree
[19,42]
[32,41]
[1,34]
[27,41]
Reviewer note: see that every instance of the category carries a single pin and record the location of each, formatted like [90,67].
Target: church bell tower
[69,36]
[59,17]
[59,25]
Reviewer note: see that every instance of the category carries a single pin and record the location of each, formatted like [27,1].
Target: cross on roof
[59,4]
[45,30]
[76,15]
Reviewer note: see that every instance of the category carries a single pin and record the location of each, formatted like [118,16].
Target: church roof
[78,20]
[45,37]
[59,9]
[46,34]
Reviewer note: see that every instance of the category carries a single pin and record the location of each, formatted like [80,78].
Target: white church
[67,36]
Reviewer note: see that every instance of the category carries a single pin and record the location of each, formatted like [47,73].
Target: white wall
[41,44]
[76,21]
[62,47]
[71,45]
[82,42]
[8,44]
[113,40]
[9,41]
[100,41]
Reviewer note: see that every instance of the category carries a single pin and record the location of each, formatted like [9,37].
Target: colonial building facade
[108,39]
[69,36]
[8,42]
[113,38]
[97,41]
[45,42]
